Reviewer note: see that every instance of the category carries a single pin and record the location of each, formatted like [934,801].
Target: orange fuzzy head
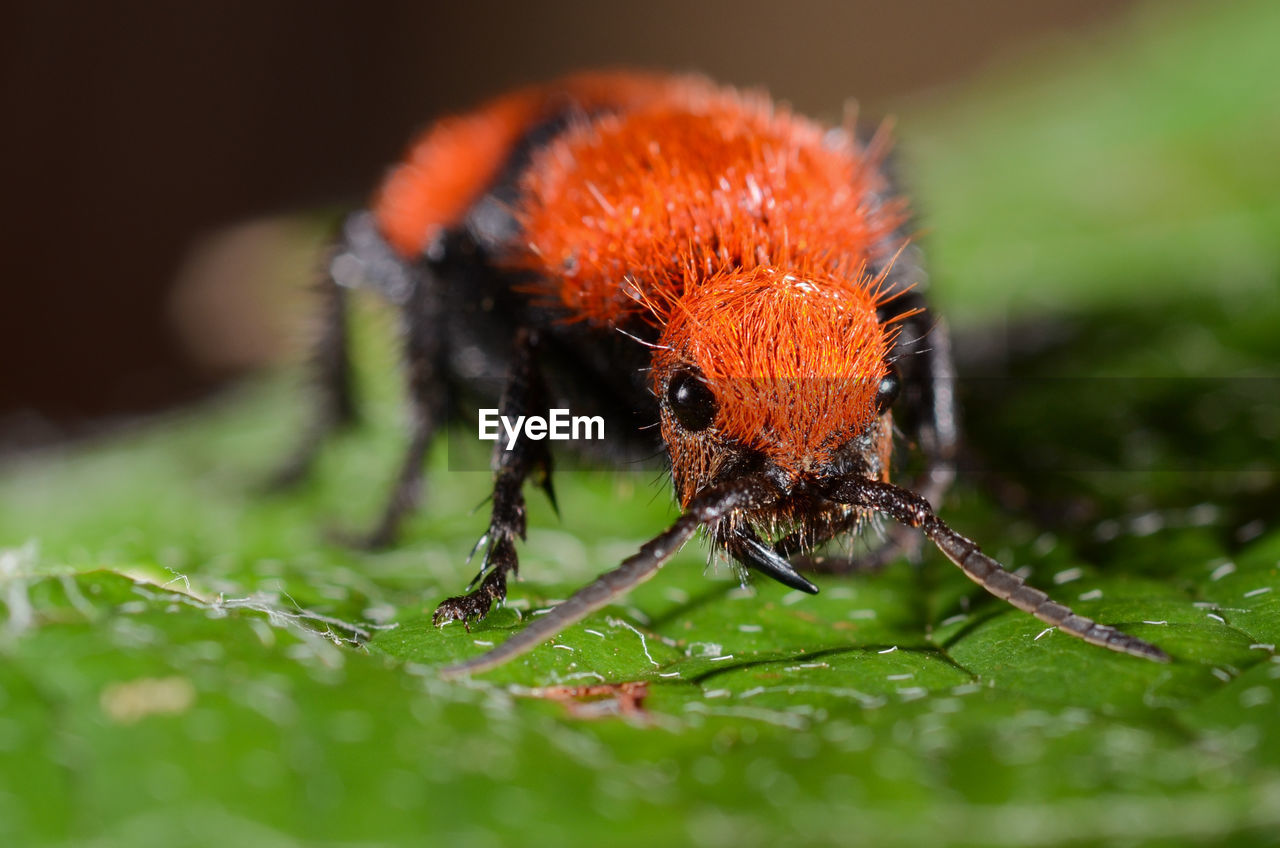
[774,368]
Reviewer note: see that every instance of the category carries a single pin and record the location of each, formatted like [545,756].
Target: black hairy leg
[425,386]
[939,434]
[330,364]
[524,394]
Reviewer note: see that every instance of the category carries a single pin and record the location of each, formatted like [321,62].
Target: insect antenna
[710,506]
[914,511]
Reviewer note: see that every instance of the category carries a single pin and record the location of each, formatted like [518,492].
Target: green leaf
[184,660]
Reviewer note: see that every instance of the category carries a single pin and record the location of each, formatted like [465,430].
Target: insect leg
[914,511]
[525,394]
[927,414]
[707,508]
[423,347]
[334,396]
[939,434]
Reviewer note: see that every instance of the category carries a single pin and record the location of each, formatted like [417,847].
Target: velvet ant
[733,272]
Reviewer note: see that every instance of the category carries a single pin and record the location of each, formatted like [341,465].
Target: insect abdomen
[457,161]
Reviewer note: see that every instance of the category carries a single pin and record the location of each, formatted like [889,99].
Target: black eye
[887,393]
[691,401]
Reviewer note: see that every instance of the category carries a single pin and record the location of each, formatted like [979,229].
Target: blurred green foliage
[185,662]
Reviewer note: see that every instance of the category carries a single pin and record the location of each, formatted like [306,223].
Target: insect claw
[551,494]
[483,538]
[475,603]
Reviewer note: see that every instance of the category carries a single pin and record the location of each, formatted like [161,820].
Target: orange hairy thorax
[625,212]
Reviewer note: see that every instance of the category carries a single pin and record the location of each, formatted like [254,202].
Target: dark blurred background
[134,131]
